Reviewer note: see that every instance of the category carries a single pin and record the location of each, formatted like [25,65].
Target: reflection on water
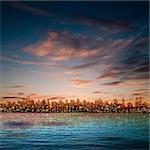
[16,124]
[83,131]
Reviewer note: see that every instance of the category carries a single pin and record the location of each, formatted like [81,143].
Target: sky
[76,49]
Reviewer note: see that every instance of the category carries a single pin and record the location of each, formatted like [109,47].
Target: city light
[74,106]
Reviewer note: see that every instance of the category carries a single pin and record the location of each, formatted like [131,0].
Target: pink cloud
[77,81]
[71,73]
[40,49]
[61,46]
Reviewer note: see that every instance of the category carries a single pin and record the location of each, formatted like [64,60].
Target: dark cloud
[100,92]
[84,66]
[142,68]
[140,94]
[131,63]
[136,94]
[102,22]
[142,90]
[142,42]
[139,76]
[110,74]
[59,46]
[127,61]
[14,86]
[28,8]
[113,83]
[57,98]
[12,97]
[97,92]
[75,17]
[79,41]
[66,46]
[20,93]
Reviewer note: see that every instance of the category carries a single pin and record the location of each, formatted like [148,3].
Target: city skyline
[70,50]
[74,106]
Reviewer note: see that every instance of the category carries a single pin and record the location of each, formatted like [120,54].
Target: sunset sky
[75,49]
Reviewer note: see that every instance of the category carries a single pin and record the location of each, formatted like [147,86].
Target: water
[74,131]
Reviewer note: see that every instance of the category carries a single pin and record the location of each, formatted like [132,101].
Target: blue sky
[75,49]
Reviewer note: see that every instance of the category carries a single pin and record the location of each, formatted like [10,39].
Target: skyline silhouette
[74,106]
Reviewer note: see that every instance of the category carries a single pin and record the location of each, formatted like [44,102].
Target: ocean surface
[74,131]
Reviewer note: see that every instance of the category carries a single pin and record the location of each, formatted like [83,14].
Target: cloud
[126,64]
[33,71]
[50,64]
[71,73]
[11,97]
[83,66]
[116,25]
[77,81]
[110,74]
[102,22]
[14,86]
[127,61]
[20,93]
[130,66]
[97,92]
[29,62]
[136,68]
[113,83]
[63,46]
[59,46]
[136,94]
[141,90]
[141,94]
[142,42]
[126,83]
[40,49]
[5,58]
[57,98]
[142,68]
[120,44]
[27,8]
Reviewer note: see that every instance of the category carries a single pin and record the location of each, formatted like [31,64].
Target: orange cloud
[71,73]
[40,49]
[76,81]
[62,46]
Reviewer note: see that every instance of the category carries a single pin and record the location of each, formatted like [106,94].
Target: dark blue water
[77,131]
